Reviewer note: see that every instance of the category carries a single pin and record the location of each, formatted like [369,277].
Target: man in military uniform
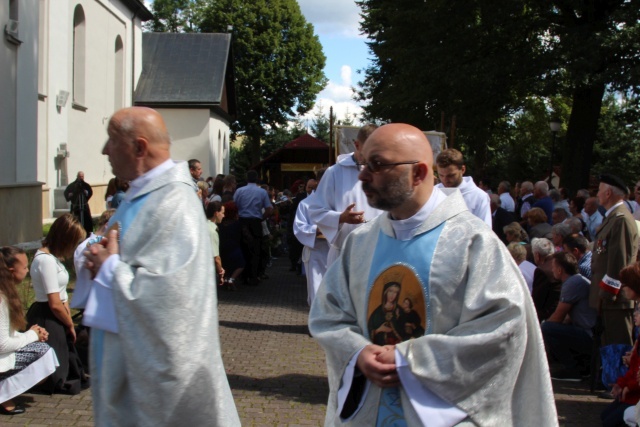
[614,247]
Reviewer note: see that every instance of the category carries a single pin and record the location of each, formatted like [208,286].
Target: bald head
[407,140]
[144,122]
[138,142]
[401,181]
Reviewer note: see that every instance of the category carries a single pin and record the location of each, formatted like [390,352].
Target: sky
[336,23]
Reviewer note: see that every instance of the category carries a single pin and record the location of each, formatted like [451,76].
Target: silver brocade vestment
[164,367]
[485,354]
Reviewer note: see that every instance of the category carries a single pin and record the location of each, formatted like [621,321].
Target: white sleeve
[100,311]
[322,208]
[302,229]
[48,269]
[8,343]
[432,410]
[347,381]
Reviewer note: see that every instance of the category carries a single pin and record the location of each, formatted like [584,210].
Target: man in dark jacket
[79,193]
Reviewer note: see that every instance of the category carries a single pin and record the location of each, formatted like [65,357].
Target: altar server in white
[451,169]
[155,351]
[425,318]
[340,206]
[316,248]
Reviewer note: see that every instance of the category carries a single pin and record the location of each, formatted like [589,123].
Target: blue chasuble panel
[398,303]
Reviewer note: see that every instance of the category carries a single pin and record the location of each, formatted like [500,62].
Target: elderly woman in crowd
[538,223]
[519,254]
[558,233]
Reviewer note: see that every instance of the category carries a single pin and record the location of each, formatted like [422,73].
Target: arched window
[79,55]
[118,75]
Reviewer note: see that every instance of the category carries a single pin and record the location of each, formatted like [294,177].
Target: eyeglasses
[376,166]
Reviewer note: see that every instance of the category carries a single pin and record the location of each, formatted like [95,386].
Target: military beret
[615,181]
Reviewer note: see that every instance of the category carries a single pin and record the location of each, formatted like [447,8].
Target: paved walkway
[276,371]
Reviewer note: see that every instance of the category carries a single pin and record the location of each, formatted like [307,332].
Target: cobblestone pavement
[276,371]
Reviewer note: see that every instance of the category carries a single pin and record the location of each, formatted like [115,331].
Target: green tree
[618,137]
[173,16]
[460,62]
[593,45]
[482,60]
[278,62]
[320,124]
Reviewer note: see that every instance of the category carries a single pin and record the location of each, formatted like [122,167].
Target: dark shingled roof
[187,70]
[306,141]
[304,149]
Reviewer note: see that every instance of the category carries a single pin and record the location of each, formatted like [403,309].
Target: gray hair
[542,246]
[575,224]
[527,186]
[555,195]
[583,192]
[561,229]
[543,187]
[616,191]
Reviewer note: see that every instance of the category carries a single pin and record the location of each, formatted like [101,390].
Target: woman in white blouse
[49,278]
[25,359]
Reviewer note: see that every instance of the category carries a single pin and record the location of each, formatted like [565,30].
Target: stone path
[276,371]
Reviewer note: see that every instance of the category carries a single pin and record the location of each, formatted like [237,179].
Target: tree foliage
[174,16]
[484,61]
[278,59]
[278,62]
[320,124]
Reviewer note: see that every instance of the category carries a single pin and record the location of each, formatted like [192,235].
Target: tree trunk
[254,149]
[581,135]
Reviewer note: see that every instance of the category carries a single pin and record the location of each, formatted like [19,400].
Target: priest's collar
[405,229]
[137,184]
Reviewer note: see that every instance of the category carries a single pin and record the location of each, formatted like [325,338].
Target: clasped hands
[43,335]
[378,364]
[98,253]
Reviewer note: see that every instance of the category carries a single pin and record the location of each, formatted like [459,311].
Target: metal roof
[186,70]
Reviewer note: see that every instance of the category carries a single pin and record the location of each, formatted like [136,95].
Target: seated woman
[49,279]
[519,254]
[25,359]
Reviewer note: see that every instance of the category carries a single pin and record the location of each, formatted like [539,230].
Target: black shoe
[565,375]
[19,409]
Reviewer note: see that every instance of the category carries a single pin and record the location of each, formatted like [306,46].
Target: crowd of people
[426,290]
[578,255]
